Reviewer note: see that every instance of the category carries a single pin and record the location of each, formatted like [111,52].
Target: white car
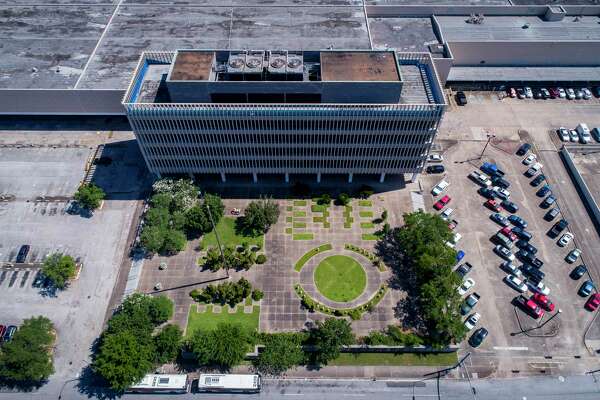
[529,159]
[435,158]
[457,236]
[501,192]
[586,93]
[511,269]
[472,321]
[481,178]
[440,187]
[447,213]
[515,283]
[537,166]
[573,135]
[565,239]
[570,94]
[466,285]
[528,92]
[540,288]
[563,133]
[561,93]
[504,253]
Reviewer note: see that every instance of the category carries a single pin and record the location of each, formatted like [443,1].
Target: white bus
[161,384]
[231,383]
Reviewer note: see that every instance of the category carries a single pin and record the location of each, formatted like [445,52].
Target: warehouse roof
[524,74]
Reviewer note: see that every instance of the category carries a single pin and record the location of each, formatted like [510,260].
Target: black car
[524,256]
[10,332]
[537,94]
[461,98]
[558,227]
[537,180]
[464,269]
[487,193]
[435,169]
[548,201]
[525,245]
[536,262]
[478,337]
[509,206]
[543,191]
[550,215]
[22,256]
[532,273]
[530,172]
[578,272]
[500,181]
[523,149]
[521,233]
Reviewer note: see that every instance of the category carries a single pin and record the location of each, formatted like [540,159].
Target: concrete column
[350,176]
[191,176]
[223,178]
[414,177]
[318,177]
[287,178]
[254,177]
[382,177]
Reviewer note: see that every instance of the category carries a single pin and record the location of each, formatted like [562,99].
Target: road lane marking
[510,348]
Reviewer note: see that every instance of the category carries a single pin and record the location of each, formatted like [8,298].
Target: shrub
[257,295]
[89,196]
[261,259]
[355,314]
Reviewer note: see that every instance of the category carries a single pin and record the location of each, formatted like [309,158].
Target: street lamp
[489,137]
[539,326]
[212,222]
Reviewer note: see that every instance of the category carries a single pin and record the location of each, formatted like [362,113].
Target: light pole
[539,326]
[489,137]
[443,372]
[212,222]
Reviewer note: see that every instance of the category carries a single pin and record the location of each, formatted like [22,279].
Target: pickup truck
[480,178]
[440,187]
[491,169]
[470,302]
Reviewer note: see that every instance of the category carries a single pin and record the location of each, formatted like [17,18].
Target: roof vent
[278,62]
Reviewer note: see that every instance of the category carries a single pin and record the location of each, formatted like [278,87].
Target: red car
[530,307]
[593,302]
[441,203]
[554,93]
[543,301]
[511,92]
[508,233]
[453,224]
[2,331]
[493,205]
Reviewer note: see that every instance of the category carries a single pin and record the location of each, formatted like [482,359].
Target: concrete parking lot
[54,169]
[462,138]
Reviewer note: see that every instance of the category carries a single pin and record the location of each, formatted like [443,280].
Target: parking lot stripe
[511,348]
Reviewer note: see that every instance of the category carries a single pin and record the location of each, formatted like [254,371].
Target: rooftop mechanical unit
[277,62]
[236,63]
[254,65]
[295,67]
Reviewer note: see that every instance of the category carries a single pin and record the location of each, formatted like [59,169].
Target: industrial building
[285,112]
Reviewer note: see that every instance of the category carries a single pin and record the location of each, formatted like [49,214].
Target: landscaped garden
[340,278]
[229,234]
[209,319]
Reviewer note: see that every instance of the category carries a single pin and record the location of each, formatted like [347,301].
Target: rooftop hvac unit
[295,64]
[277,62]
[236,63]
[254,62]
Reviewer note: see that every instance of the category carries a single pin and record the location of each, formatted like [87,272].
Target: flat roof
[374,66]
[524,74]
[192,65]
[402,34]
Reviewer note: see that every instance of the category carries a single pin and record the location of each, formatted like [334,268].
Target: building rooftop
[402,34]
[359,66]
[192,65]
[524,74]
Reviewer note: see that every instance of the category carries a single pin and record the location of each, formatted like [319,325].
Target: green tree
[27,359]
[89,196]
[174,242]
[158,217]
[217,208]
[343,199]
[282,351]
[158,308]
[123,359]
[59,268]
[324,199]
[259,215]
[168,344]
[153,238]
[161,200]
[384,215]
[328,337]
[178,221]
[225,346]
[197,220]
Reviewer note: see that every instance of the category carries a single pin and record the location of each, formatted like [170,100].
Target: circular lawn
[340,278]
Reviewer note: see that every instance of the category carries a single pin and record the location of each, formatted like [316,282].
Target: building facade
[280,112]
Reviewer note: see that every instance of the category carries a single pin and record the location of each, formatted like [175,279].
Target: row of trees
[421,242]
[129,348]
[238,259]
[230,293]
[26,360]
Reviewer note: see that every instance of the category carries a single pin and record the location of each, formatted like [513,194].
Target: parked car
[535,168]
[515,283]
[441,203]
[573,136]
[529,159]
[460,255]
[464,269]
[596,134]
[503,240]
[525,256]
[578,272]
[472,321]
[530,307]
[586,289]
[508,233]
[22,255]
[461,98]
[563,134]
[2,331]
[510,206]
[525,245]
[565,239]
[501,193]
[447,213]
[523,149]
[480,178]
[455,239]
[491,169]
[537,180]
[440,187]
[558,227]
[520,93]
[593,302]
[550,215]
[504,252]
[562,93]
[536,262]
[435,158]
[543,301]
[548,201]
[521,233]
[543,191]
[466,286]
[499,219]
[570,94]
[511,268]
[452,224]
[586,93]
[487,193]
[478,337]
[470,302]
[493,205]
[500,182]
[517,221]
[554,93]
[537,94]
[583,133]
[534,275]
[528,92]
[435,169]
[596,91]
[545,93]
[537,286]
[573,256]
[511,92]
[10,332]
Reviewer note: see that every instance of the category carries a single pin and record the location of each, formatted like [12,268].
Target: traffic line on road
[509,348]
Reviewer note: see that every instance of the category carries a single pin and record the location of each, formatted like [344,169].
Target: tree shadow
[93,386]
[7,385]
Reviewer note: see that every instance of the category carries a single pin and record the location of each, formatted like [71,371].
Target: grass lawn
[438,359]
[365,203]
[289,208]
[367,225]
[210,320]
[369,236]
[319,207]
[340,278]
[288,231]
[289,219]
[299,224]
[302,260]
[299,214]
[366,214]
[300,203]
[228,235]
[303,236]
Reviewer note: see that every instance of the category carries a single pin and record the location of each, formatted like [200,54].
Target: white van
[440,187]
[584,133]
